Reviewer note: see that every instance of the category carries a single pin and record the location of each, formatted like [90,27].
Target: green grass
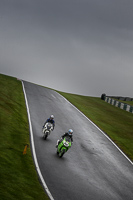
[115,122]
[18,177]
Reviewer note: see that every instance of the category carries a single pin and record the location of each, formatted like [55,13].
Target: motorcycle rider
[69,133]
[51,120]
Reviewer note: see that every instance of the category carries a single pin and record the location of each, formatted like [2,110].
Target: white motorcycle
[47,130]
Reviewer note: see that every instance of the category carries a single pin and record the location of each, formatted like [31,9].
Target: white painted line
[100,131]
[33,148]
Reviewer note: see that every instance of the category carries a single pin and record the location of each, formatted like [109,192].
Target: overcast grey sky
[77,46]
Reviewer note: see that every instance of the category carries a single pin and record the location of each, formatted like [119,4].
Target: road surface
[92,169]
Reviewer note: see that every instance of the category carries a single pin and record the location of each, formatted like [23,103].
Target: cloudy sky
[77,46]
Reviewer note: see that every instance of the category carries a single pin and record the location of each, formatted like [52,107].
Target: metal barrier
[119,104]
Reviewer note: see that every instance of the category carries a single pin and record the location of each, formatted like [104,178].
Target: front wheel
[57,152]
[62,153]
[45,136]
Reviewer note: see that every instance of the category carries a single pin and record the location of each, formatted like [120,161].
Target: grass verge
[18,177]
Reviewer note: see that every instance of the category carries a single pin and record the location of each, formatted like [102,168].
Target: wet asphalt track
[92,169]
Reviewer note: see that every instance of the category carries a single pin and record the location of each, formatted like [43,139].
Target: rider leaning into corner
[69,133]
[51,120]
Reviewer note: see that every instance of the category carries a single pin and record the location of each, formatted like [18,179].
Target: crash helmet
[51,116]
[70,132]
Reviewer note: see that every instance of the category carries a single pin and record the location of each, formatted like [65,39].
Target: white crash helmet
[51,116]
[70,132]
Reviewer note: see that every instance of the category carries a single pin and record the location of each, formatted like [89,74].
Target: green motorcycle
[63,146]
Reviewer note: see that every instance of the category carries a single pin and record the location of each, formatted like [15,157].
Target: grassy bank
[115,122]
[18,177]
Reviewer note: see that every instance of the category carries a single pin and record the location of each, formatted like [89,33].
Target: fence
[121,98]
[118,104]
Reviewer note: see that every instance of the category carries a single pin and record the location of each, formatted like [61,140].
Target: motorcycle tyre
[61,153]
[45,136]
